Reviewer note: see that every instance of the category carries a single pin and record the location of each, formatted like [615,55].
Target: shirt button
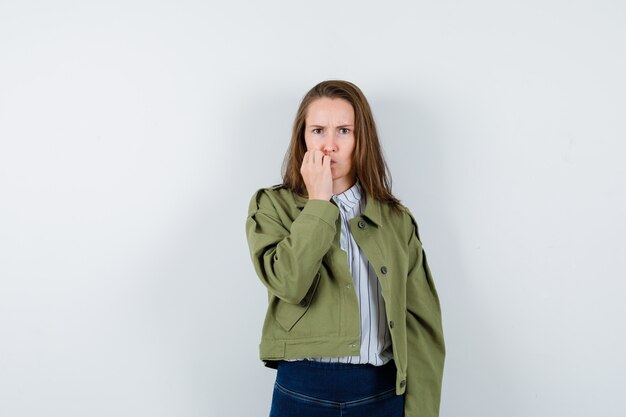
[391,323]
[383,269]
[361,224]
[403,383]
[348,286]
[352,345]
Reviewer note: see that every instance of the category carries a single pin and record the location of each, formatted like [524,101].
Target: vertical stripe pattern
[375,338]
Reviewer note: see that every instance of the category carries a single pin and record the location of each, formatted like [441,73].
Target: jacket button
[391,323]
[361,224]
[383,269]
[403,383]
[304,303]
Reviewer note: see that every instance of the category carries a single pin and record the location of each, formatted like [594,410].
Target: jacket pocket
[287,314]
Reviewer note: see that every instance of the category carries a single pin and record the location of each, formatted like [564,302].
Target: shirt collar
[349,198]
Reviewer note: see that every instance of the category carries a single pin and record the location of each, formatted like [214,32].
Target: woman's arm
[287,260]
[426,348]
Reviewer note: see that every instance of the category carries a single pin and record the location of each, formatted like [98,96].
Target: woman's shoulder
[268,198]
[409,219]
[395,209]
[272,190]
[400,216]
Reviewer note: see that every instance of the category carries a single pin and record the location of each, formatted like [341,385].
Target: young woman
[353,324]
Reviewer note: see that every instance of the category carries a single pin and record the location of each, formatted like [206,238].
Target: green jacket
[313,309]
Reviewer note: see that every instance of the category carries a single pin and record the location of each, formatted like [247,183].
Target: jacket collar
[372,206]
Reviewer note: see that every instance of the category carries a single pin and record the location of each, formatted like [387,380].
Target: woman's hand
[317,176]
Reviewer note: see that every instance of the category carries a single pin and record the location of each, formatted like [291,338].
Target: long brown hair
[367,159]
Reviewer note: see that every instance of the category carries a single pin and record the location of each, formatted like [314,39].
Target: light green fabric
[312,305]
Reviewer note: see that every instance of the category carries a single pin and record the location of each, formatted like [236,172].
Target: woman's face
[329,127]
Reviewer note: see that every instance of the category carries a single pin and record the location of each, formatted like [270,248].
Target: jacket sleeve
[287,259]
[425,343]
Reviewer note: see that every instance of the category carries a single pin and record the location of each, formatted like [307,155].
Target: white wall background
[133,133]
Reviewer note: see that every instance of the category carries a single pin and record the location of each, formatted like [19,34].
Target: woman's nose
[330,145]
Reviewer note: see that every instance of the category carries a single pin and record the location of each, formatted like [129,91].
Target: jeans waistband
[336,381]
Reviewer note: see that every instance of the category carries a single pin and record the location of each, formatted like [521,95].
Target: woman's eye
[345,130]
[316,131]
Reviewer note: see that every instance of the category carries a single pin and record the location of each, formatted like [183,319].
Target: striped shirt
[375,338]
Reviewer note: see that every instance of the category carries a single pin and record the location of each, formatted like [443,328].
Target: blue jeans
[307,388]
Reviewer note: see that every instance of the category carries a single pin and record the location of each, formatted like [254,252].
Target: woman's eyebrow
[346,125]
